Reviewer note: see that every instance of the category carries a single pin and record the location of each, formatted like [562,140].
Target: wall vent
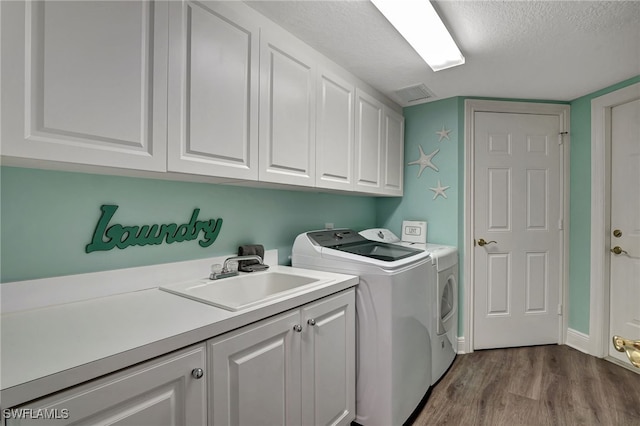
[416,93]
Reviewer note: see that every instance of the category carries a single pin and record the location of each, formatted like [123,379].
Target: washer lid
[377,250]
[348,241]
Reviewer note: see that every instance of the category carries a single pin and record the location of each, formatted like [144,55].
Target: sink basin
[244,291]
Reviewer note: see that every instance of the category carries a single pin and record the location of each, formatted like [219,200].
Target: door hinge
[560,309]
[560,224]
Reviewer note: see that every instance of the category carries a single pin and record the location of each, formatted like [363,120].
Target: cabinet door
[328,361]
[368,147]
[255,374]
[159,392]
[287,110]
[85,82]
[393,145]
[334,132]
[213,92]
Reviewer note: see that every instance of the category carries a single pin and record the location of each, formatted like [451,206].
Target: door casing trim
[563,112]
[600,214]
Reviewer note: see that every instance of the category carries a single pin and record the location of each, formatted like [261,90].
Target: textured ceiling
[552,50]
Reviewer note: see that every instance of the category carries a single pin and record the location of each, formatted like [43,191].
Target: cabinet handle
[311,322]
[297,328]
[197,373]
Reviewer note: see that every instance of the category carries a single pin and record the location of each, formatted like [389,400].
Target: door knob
[618,250]
[482,242]
[631,347]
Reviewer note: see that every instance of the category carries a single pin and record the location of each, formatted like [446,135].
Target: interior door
[517,226]
[625,225]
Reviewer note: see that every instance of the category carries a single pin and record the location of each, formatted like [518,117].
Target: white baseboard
[461,345]
[578,340]
[575,339]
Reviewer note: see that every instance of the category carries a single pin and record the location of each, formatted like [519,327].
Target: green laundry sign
[107,236]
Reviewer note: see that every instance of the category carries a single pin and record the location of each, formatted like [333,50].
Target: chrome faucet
[225,272]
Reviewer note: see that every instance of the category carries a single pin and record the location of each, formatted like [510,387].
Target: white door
[517,213]
[625,224]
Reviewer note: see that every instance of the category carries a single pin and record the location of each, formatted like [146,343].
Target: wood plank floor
[539,385]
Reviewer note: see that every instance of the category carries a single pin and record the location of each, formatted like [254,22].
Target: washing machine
[442,301]
[393,342]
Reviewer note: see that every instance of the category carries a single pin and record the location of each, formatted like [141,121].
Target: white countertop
[47,349]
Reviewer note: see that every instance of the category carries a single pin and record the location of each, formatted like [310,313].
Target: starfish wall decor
[439,190]
[444,134]
[425,160]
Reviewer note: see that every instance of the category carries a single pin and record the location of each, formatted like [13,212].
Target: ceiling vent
[416,93]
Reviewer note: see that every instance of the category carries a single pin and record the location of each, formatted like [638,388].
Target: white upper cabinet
[213,92]
[334,131]
[287,109]
[85,82]
[393,153]
[205,91]
[368,154]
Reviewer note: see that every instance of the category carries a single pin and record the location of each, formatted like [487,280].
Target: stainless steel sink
[247,290]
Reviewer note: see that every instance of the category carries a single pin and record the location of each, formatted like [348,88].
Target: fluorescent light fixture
[418,22]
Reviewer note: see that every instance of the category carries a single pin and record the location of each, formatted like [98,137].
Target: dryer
[393,342]
[444,341]
[442,301]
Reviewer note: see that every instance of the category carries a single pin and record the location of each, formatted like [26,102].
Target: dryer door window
[448,299]
[447,302]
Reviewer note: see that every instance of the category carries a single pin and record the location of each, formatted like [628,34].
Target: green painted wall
[445,216]
[48,217]
[421,124]
[580,207]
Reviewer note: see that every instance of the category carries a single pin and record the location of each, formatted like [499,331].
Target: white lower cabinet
[297,368]
[328,361]
[164,391]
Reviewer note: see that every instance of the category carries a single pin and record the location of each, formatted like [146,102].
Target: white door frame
[471,107]
[600,214]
